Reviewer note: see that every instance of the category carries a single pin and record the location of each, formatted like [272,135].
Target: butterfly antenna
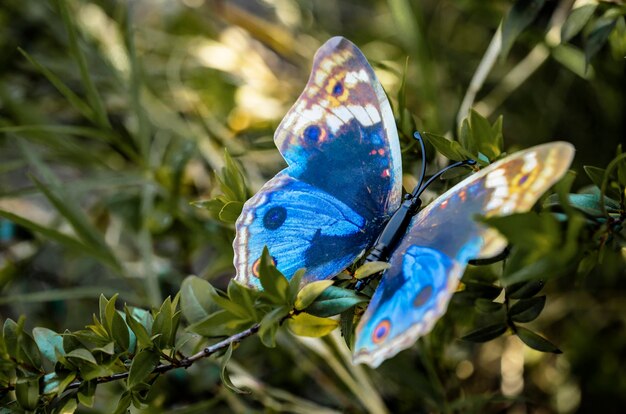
[419,138]
[420,189]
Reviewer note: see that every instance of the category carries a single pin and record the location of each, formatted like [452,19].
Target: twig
[183,363]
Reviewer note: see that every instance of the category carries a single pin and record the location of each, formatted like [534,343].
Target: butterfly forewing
[343,177]
[428,263]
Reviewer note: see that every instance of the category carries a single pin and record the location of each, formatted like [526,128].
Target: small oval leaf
[142,366]
[370,268]
[527,310]
[49,343]
[310,292]
[486,333]
[333,301]
[536,341]
[523,290]
[304,324]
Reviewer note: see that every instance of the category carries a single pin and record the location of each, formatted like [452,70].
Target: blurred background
[123,118]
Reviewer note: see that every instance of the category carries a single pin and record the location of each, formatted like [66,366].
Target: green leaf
[519,17]
[598,36]
[595,174]
[230,211]
[333,301]
[86,393]
[109,311]
[275,285]
[163,324]
[244,298]
[27,393]
[548,265]
[370,268]
[294,284]
[228,304]
[49,343]
[68,407]
[196,299]
[142,366]
[304,324]
[541,231]
[466,138]
[523,290]
[213,206]
[224,372]
[269,325]
[233,179]
[576,20]
[573,59]
[487,139]
[450,149]
[219,323]
[10,333]
[79,222]
[310,292]
[54,235]
[527,310]
[482,290]
[587,203]
[81,354]
[486,333]
[120,331]
[535,341]
[123,403]
[92,93]
[140,331]
[73,99]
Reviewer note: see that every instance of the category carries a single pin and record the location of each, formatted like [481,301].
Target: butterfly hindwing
[343,177]
[428,263]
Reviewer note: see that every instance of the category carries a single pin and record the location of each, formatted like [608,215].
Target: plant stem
[183,363]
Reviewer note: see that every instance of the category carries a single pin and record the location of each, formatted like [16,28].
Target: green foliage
[112,125]
[227,206]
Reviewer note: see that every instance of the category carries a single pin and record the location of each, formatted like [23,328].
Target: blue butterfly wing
[343,177]
[430,260]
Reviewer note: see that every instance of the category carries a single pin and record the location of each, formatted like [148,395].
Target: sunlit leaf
[310,292]
[576,20]
[304,324]
[370,268]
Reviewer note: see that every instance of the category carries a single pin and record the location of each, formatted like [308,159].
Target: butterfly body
[343,183]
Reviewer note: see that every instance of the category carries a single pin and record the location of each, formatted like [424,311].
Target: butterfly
[343,184]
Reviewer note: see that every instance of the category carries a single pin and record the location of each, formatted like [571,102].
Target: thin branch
[185,362]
